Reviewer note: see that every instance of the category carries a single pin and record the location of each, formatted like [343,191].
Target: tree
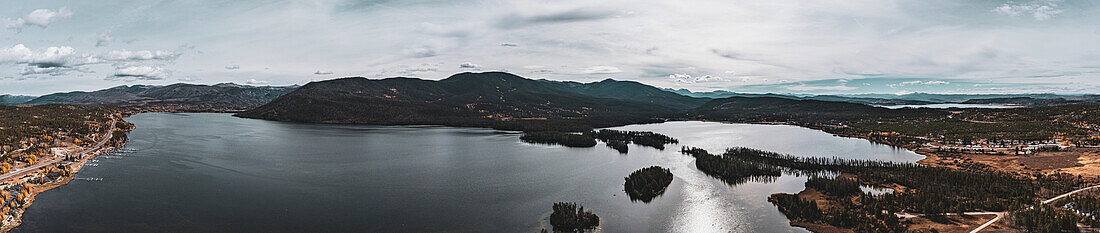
[569,217]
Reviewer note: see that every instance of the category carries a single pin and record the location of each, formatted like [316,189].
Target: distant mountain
[1024,101]
[960,98]
[14,99]
[868,101]
[749,109]
[492,99]
[226,95]
[912,98]
[835,98]
[718,94]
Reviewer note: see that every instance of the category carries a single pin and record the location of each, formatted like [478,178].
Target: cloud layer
[39,17]
[774,46]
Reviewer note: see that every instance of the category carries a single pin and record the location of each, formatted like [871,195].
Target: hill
[492,99]
[1023,101]
[834,98]
[747,109]
[506,101]
[961,98]
[226,95]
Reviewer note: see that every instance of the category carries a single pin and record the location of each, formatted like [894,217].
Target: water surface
[218,173]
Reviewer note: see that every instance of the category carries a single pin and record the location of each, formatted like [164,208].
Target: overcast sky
[820,46]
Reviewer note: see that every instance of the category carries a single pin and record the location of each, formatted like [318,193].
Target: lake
[218,173]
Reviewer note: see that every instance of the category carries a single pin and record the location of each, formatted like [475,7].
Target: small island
[614,139]
[647,183]
[558,138]
[731,169]
[570,217]
[618,145]
[643,138]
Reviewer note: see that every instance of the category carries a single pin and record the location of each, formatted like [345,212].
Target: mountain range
[912,98]
[225,95]
[503,100]
[492,99]
[14,99]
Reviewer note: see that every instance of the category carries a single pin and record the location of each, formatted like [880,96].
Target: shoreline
[76,167]
[107,148]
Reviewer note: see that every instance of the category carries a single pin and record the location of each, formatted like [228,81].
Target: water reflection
[739,204]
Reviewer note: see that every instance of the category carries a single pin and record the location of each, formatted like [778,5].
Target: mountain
[834,98]
[506,101]
[1023,101]
[750,109]
[492,99]
[867,100]
[14,99]
[225,95]
[960,98]
[718,94]
[635,91]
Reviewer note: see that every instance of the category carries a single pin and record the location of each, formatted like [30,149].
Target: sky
[775,46]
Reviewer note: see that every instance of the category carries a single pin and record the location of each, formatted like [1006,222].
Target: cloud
[601,70]
[52,60]
[405,70]
[936,82]
[576,15]
[419,69]
[51,71]
[103,38]
[255,82]
[728,54]
[467,65]
[686,78]
[537,69]
[421,52]
[444,31]
[918,82]
[804,87]
[1039,9]
[39,17]
[140,72]
[141,55]
[232,67]
[322,72]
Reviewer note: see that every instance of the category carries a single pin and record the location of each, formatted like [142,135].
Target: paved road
[983,226]
[55,161]
[990,222]
[1001,214]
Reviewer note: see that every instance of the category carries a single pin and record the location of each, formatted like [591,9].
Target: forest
[570,217]
[559,138]
[731,170]
[837,186]
[921,189]
[614,139]
[647,183]
[642,138]
[1043,218]
[23,127]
